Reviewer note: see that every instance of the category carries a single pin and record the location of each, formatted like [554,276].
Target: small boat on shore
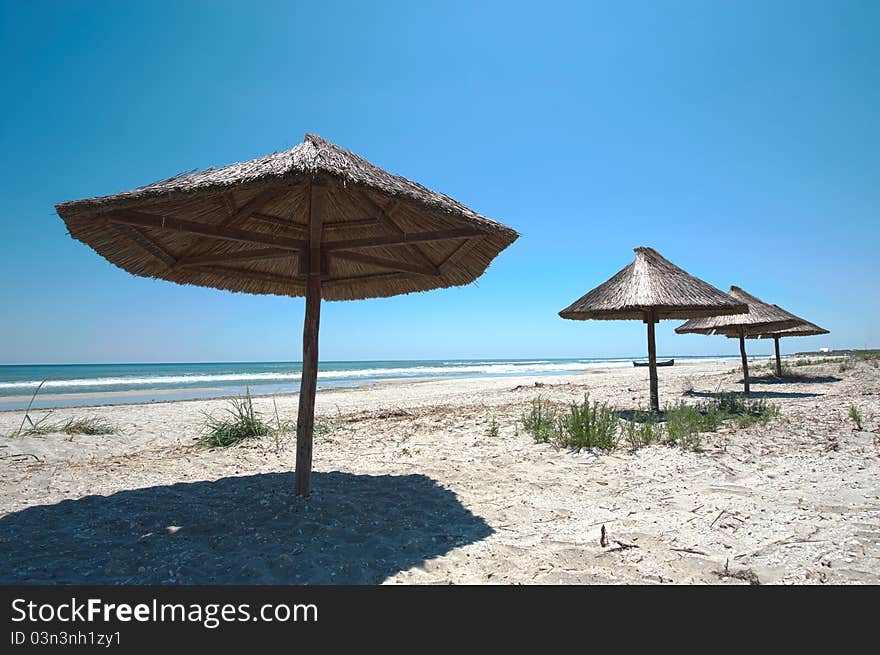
[665,362]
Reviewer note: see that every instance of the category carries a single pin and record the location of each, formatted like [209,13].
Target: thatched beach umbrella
[803,329]
[762,316]
[315,221]
[652,289]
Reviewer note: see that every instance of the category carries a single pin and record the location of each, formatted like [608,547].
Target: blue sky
[740,139]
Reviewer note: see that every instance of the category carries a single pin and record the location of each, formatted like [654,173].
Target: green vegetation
[594,425]
[587,426]
[847,360]
[745,411]
[856,416]
[241,422]
[757,411]
[642,431]
[540,422]
[584,425]
[88,425]
[92,425]
[815,362]
[492,430]
[787,370]
[684,424]
[322,427]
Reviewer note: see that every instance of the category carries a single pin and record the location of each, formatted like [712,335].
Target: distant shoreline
[220,396]
[47,400]
[103,384]
[369,361]
[100,385]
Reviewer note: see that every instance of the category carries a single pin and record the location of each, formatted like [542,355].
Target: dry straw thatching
[652,289]
[651,283]
[315,221]
[243,228]
[802,329]
[762,317]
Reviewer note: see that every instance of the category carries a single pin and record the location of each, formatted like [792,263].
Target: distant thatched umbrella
[803,329]
[652,289]
[316,220]
[762,317]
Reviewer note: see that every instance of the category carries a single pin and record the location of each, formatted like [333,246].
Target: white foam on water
[457,368]
[501,368]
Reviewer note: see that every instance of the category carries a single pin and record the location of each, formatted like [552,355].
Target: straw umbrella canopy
[652,289]
[762,316]
[803,329]
[314,221]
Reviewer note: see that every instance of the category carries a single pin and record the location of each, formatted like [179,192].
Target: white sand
[408,487]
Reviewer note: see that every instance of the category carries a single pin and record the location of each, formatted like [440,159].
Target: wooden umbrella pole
[745,360]
[305,420]
[778,361]
[651,320]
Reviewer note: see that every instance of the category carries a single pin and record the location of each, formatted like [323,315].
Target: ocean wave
[483,369]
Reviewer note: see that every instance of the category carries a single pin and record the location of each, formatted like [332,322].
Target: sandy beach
[409,487]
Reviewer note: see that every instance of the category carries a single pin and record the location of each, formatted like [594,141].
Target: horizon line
[441,359]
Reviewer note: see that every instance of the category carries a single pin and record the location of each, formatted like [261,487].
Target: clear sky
[740,139]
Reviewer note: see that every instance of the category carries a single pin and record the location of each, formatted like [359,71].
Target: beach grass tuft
[240,422]
[88,425]
[91,425]
[643,430]
[684,423]
[587,425]
[785,368]
[756,411]
[492,430]
[595,425]
[583,425]
[815,362]
[856,416]
[321,427]
[540,421]
[745,411]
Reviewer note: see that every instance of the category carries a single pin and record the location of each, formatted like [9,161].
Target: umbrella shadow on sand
[355,529]
[756,394]
[807,379]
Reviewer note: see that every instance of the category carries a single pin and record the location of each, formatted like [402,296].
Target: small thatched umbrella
[315,221]
[652,289]
[761,317]
[803,329]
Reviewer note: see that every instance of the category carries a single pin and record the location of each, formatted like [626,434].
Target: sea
[71,385]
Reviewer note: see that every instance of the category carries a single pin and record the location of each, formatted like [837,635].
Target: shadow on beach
[820,379]
[356,529]
[755,394]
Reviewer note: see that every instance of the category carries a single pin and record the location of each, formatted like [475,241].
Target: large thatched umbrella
[652,289]
[762,316]
[315,221]
[803,329]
